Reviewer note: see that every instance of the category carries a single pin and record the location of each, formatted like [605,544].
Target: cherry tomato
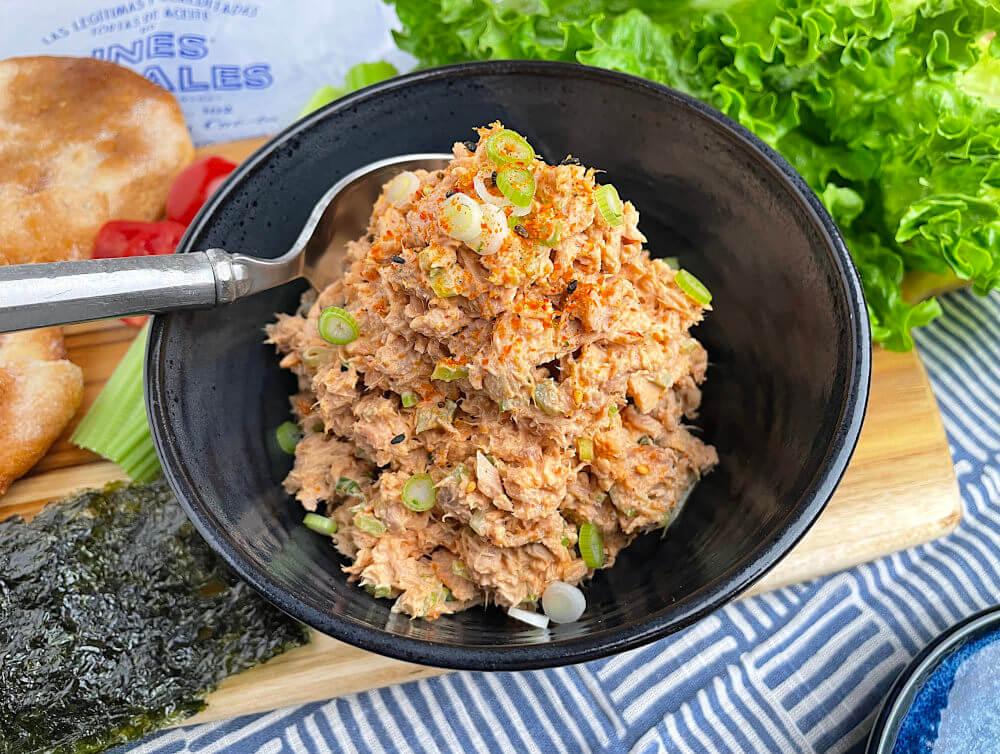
[194,185]
[133,238]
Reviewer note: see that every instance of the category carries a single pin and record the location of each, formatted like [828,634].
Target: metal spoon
[58,293]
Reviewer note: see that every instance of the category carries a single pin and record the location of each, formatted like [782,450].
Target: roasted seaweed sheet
[116,619]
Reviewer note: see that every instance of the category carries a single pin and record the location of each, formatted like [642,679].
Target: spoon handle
[58,293]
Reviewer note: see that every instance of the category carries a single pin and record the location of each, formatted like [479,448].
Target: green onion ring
[693,287]
[517,184]
[506,146]
[418,493]
[337,326]
[609,204]
[288,435]
[591,546]
[320,524]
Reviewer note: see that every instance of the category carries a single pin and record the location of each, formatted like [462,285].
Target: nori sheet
[116,619]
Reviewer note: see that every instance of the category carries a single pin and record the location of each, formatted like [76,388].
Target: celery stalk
[116,427]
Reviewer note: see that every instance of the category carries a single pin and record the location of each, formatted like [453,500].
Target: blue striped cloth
[803,669]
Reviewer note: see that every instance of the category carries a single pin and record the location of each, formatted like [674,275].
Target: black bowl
[788,342]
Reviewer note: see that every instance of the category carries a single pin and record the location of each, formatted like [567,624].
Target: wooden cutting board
[899,491]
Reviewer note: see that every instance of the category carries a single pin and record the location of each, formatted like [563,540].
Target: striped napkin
[802,669]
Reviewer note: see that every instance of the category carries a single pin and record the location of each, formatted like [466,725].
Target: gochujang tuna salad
[493,398]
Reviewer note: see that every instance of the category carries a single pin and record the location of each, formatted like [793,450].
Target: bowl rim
[601,643]
[911,679]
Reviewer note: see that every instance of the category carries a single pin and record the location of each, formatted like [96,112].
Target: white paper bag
[239,69]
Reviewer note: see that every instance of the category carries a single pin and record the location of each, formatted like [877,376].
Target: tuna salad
[492,400]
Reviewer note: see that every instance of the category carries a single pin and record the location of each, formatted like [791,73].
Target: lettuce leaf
[890,109]
[357,77]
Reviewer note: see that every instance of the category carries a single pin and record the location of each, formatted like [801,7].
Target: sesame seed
[398,259]
[572,286]
[450,193]
[397,439]
[642,469]
[470,487]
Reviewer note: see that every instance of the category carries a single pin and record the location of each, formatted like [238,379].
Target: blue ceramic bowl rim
[669,619]
[901,694]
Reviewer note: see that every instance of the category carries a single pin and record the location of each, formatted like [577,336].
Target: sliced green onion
[613,411]
[337,326]
[288,435]
[538,620]
[494,231]
[459,473]
[429,601]
[672,262]
[401,188]
[379,591]
[555,236]
[693,287]
[517,184]
[316,356]
[460,569]
[508,146]
[369,524]
[449,371]
[644,440]
[609,204]
[508,404]
[563,602]
[546,397]
[418,493]
[461,217]
[429,417]
[347,486]
[585,448]
[591,546]
[443,281]
[662,379]
[478,523]
[409,399]
[690,345]
[115,427]
[320,524]
[428,260]
[564,541]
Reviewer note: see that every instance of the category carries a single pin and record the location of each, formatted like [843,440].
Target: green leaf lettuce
[890,110]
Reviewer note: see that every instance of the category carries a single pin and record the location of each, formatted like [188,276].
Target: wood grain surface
[899,491]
